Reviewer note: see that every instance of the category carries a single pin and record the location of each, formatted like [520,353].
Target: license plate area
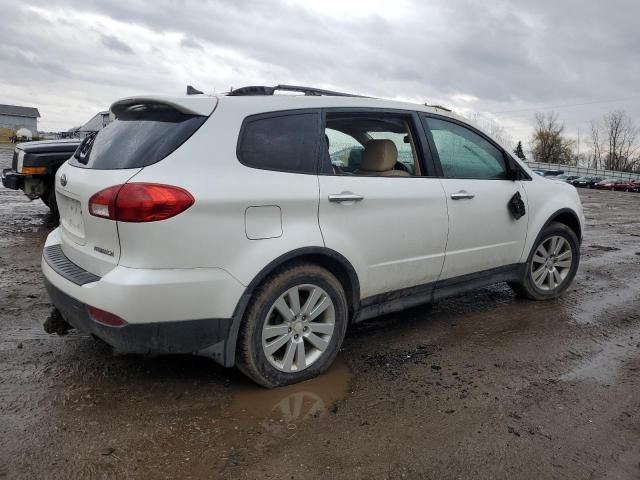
[71,215]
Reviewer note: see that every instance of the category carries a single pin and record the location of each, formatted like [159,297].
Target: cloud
[114,44]
[188,42]
[493,56]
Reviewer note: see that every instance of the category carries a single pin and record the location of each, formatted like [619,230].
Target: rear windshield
[140,136]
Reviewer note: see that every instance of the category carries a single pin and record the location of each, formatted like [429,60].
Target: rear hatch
[145,131]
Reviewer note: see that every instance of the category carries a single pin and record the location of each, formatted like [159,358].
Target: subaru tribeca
[253,227]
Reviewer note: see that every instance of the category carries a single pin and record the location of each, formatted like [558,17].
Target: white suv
[254,227]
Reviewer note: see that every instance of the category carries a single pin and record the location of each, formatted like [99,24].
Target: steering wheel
[401,166]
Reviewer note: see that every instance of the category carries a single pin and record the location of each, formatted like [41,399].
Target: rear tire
[293,327]
[552,264]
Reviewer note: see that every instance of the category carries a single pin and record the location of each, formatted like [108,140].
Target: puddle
[605,365]
[291,404]
[602,302]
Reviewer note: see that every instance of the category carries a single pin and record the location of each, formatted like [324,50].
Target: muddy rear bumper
[206,337]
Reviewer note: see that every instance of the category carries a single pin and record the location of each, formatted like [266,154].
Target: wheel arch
[327,258]
[567,217]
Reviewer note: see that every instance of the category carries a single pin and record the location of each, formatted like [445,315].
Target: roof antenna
[192,91]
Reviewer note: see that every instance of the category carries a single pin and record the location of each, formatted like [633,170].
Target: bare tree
[493,128]
[621,134]
[549,145]
[596,144]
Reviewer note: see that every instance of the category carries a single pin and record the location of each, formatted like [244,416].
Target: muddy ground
[480,386]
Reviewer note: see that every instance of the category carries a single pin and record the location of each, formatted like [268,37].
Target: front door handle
[345,197]
[462,195]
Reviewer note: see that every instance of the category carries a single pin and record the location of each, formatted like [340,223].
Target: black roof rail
[263,90]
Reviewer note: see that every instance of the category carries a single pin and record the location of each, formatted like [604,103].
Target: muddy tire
[552,264]
[52,202]
[49,198]
[293,327]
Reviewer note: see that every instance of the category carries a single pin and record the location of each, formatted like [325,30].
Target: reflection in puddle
[293,403]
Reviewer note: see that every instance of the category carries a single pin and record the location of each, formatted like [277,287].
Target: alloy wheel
[298,328]
[551,263]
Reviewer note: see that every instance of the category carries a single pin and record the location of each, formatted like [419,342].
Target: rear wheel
[294,327]
[552,264]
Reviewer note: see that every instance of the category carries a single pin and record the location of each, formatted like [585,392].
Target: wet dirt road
[480,386]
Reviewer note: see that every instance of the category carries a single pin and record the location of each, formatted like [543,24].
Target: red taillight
[105,318]
[140,202]
[103,203]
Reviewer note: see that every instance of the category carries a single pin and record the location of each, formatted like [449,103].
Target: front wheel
[552,264]
[49,197]
[53,203]
[294,326]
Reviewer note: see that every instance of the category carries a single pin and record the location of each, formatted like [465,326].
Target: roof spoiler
[202,106]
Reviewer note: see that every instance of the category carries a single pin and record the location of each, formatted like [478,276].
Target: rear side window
[280,142]
[140,136]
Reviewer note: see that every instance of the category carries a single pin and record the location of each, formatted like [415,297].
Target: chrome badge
[105,251]
[63,180]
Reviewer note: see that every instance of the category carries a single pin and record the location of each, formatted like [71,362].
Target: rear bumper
[206,337]
[166,310]
[11,179]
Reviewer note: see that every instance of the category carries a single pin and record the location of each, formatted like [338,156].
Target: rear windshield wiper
[82,152]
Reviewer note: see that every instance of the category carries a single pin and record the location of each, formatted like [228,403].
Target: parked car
[34,167]
[635,185]
[219,225]
[566,178]
[552,173]
[616,184]
[548,173]
[35,164]
[586,182]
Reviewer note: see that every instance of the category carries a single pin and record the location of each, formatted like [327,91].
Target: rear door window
[140,136]
[354,140]
[281,141]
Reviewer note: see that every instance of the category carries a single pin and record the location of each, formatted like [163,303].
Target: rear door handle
[462,195]
[345,197]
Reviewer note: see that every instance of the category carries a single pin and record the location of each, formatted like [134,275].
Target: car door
[390,224]
[483,234]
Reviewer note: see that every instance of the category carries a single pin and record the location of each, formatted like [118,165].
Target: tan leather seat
[379,159]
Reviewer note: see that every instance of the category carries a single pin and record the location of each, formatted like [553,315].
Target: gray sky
[72,58]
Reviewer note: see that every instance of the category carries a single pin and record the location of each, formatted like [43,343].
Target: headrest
[379,156]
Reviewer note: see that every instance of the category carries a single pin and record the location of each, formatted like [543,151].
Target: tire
[52,202]
[269,350]
[528,287]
